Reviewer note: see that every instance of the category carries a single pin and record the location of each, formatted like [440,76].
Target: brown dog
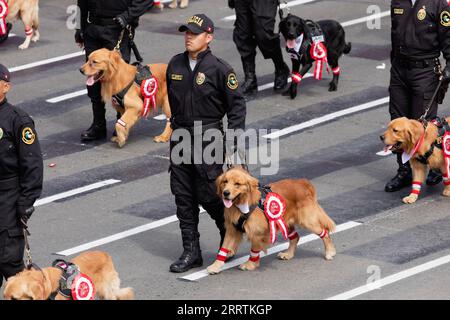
[115,74]
[27,11]
[406,135]
[39,285]
[238,188]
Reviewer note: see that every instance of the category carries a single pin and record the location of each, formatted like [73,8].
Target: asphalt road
[381,239]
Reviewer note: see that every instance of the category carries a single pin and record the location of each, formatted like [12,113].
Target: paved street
[120,199]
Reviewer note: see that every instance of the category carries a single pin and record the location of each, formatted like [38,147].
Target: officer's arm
[235,102]
[83,6]
[444,29]
[30,162]
[137,9]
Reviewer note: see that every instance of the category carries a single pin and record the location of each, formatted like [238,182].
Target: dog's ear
[413,131]
[252,185]
[219,184]
[114,59]
[36,290]
[282,27]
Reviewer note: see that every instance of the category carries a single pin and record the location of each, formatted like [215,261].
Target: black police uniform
[254,27]
[21,174]
[100,28]
[420,32]
[207,94]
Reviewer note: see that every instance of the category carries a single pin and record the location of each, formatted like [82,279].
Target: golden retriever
[39,285]
[403,134]
[108,67]
[27,11]
[237,187]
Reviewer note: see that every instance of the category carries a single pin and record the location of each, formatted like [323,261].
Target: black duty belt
[194,129]
[103,21]
[417,64]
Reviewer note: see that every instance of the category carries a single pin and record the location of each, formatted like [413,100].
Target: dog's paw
[410,199]
[330,255]
[113,139]
[285,255]
[161,139]
[23,46]
[215,268]
[249,266]
[446,192]
[332,87]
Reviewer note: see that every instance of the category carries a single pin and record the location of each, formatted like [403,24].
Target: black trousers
[411,89]
[12,243]
[98,37]
[254,27]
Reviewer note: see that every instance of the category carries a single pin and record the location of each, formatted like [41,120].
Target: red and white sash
[319,53]
[274,209]
[3,14]
[149,88]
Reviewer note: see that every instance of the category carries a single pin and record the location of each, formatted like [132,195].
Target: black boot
[434,177]
[192,255]
[250,85]
[97,130]
[282,72]
[403,177]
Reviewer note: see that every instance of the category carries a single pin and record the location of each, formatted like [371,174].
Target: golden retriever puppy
[27,11]
[413,138]
[239,191]
[108,67]
[39,285]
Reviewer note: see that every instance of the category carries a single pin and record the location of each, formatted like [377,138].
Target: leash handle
[28,258]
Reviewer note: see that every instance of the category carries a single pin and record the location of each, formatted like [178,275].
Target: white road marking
[283,5]
[365,19]
[68,96]
[46,61]
[392,278]
[121,235]
[382,66]
[311,237]
[326,118]
[74,192]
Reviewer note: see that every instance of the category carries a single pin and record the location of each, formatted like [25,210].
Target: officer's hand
[79,38]
[446,75]
[121,21]
[231,4]
[24,214]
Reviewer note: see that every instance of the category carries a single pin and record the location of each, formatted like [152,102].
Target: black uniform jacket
[204,94]
[21,167]
[421,31]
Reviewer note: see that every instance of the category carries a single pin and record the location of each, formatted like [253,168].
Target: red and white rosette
[274,209]
[319,53]
[3,14]
[83,288]
[446,149]
[149,88]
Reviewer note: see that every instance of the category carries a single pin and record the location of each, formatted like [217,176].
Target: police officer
[254,26]
[102,22]
[21,172]
[420,32]
[201,87]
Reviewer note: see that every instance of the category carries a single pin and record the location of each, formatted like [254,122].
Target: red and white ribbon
[319,53]
[3,14]
[293,235]
[446,149]
[274,208]
[83,288]
[416,187]
[323,234]
[149,88]
[28,31]
[222,254]
[336,71]
[254,255]
[296,77]
[122,123]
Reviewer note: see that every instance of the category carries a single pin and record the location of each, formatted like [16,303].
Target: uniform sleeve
[137,9]
[235,102]
[444,29]
[83,6]
[30,161]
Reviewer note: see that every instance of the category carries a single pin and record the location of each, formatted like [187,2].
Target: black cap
[4,73]
[197,24]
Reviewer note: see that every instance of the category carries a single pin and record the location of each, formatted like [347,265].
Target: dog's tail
[125,294]
[326,221]
[348,48]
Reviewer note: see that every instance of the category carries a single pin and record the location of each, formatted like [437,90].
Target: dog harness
[149,87]
[73,284]
[3,14]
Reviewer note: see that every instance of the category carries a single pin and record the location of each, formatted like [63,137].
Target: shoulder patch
[232,81]
[445,18]
[28,136]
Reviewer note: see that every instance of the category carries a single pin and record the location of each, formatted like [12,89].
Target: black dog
[300,36]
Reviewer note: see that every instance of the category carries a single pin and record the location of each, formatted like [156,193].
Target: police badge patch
[1,133]
[28,135]
[232,82]
[200,78]
[422,13]
[445,18]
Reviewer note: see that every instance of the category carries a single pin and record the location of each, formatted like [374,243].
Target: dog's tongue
[90,81]
[290,44]
[387,148]
[227,203]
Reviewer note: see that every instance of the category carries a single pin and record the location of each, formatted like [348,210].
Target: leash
[132,44]
[427,109]
[28,259]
